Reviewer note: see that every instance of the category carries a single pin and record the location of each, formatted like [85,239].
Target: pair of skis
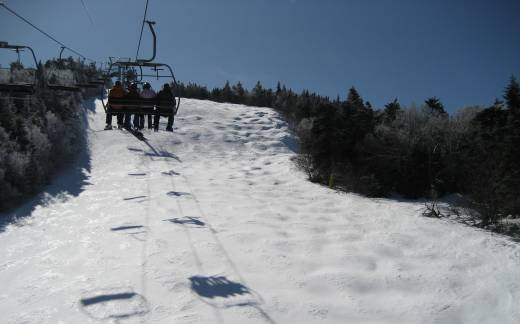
[138,134]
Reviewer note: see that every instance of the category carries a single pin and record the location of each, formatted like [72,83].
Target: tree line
[412,152]
[39,133]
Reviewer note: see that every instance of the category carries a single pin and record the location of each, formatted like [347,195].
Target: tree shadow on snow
[292,143]
[90,104]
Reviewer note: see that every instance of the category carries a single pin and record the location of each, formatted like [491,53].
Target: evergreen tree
[16,66]
[216,94]
[325,140]
[354,99]
[226,94]
[239,92]
[258,95]
[512,95]
[435,106]
[391,110]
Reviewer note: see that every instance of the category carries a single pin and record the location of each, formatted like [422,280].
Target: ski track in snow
[214,224]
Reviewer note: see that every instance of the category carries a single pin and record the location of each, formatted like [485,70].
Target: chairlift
[19,87]
[28,88]
[92,82]
[53,85]
[128,70]
[76,86]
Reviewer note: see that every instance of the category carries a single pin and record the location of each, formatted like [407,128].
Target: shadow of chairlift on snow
[140,198]
[137,232]
[106,298]
[220,292]
[125,228]
[177,193]
[170,173]
[114,304]
[133,149]
[214,287]
[186,221]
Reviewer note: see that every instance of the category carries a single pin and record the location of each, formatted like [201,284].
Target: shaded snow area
[214,224]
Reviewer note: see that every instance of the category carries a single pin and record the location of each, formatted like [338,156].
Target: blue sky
[463,52]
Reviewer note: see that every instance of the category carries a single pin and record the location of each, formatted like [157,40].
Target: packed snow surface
[214,224]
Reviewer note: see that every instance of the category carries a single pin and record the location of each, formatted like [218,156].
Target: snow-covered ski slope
[214,224]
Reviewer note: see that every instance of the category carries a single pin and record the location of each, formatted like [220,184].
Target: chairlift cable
[2,4]
[88,13]
[142,28]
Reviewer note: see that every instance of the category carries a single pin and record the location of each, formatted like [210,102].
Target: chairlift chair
[76,86]
[19,88]
[122,69]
